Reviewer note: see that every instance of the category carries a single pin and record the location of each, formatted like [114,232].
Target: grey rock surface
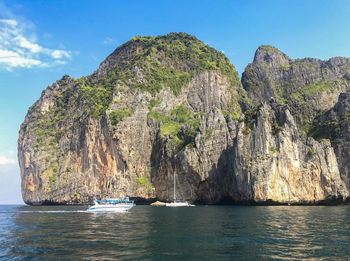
[220,140]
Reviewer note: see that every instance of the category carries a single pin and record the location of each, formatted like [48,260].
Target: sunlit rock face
[167,108]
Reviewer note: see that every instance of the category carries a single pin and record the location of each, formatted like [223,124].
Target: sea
[183,233]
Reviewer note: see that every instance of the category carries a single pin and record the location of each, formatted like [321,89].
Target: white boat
[121,204]
[178,202]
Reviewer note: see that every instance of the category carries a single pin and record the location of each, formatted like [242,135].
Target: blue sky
[42,40]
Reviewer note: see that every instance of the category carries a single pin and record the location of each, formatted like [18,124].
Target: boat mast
[174,187]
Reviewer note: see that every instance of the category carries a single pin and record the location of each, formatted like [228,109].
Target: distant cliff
[167,106]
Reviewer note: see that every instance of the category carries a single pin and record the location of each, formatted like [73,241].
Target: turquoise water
[189,233]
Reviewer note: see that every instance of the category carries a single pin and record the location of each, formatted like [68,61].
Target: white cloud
[9,22]
[19,50]
[59,54]
[24,43]
[7,161]
[109,41]
[13,59]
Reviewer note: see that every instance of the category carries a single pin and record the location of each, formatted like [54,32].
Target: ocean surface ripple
[188,233]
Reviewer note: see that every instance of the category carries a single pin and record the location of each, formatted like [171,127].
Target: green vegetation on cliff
[250,117]
[269,48]
[304,93]
[145,181]
[152,63]
[146,64]
[168,61]
[118,115]
[325,128]
[181,125]
[234,109]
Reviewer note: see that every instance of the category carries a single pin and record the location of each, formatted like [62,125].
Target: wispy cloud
[109,41]
[18,50]
[7,161]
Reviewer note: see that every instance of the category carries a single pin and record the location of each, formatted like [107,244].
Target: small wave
[54,211]
[69,211]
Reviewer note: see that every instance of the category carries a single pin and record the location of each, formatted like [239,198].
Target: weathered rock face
[170,107]
[276,161]
[307,85]
[333,126]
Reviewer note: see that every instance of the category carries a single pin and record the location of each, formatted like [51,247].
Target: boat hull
[178,204]
[111,208]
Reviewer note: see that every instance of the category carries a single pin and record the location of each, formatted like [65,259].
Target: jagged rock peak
[178,51]
[271,55]
[308,85]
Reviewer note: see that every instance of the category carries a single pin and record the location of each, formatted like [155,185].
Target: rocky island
[171,106]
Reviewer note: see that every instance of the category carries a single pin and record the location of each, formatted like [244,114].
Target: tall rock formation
[307,85]
[171,106]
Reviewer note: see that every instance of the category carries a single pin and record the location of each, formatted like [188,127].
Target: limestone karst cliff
[167,106]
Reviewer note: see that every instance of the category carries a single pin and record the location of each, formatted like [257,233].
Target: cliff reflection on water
[202,232]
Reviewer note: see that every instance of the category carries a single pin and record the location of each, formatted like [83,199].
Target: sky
[40,41]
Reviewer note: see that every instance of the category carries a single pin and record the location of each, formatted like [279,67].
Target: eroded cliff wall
[167,106]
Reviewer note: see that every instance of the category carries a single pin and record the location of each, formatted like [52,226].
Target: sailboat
[178,202]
